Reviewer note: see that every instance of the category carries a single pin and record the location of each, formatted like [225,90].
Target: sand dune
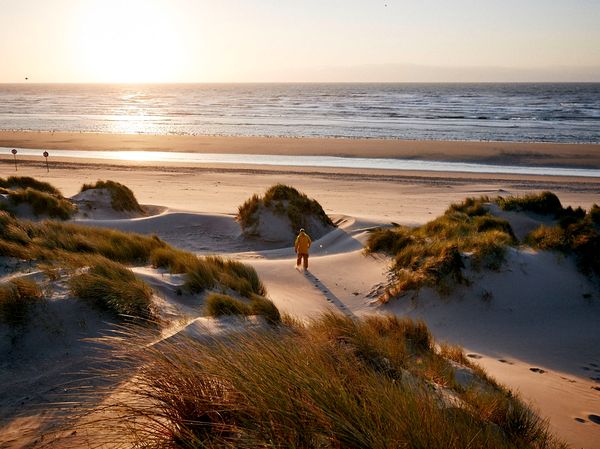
[532,324]
[539,313]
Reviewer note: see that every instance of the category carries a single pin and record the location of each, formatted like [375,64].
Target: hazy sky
[299,40]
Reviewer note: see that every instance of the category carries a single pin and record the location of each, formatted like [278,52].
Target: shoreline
[568,155]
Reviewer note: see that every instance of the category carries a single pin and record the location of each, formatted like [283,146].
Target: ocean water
[529,112]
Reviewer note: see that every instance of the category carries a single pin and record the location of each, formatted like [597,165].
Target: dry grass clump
[122,198]
[218,304]
[43,203]
[16,297]
[575,234]
[283,200]
[113,287]
[213,271]
[432,254]
[577,231]
[330,384]
[172,259]
[247,211]
[545,203]
[24,182]
[44,198]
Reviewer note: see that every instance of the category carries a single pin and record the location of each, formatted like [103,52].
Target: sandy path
[339,277]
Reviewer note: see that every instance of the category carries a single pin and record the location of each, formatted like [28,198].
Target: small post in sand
[14,152]
[46,156]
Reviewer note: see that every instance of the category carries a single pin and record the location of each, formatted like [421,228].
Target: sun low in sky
[291,40]
[129,41]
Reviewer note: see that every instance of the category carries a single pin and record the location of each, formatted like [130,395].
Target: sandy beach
[199,202]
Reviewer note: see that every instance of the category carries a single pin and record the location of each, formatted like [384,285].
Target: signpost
[46,156]
[14,152]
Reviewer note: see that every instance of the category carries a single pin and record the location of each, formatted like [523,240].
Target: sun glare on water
[131,41]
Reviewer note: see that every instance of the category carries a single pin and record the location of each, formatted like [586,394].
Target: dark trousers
[302,256]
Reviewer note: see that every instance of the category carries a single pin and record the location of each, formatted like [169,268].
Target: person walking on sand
[301,246]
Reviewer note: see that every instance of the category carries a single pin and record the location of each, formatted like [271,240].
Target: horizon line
[292,82]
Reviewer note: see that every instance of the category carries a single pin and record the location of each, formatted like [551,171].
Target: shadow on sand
[328,294]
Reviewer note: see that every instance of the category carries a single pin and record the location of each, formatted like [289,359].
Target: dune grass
[52,240]
[113,287]
[213,271]
[73,247]
[286,201]
[576,235]
[247,211]
[576,232]
[43,203]
[172,259]
[24,182]
[16,298]
[333,383]
[433,254]
[122,198]
[545,203]
[218,304]
[44,198]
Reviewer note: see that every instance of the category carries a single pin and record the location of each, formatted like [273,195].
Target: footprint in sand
[505,361]
[537,370]
[595,419]
[571,381]
[581,420]
[475,356]
[595,388]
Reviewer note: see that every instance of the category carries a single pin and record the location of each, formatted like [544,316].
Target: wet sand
[504,153]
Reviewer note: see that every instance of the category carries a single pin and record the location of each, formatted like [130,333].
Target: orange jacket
[302,243]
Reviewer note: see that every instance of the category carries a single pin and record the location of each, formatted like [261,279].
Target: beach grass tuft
[214,271]
[43,203]
[434,254]
[43,198]
[285,201]
[122,198]
[218,304]
[544,203]
[172,259]
[577,235]
[16,298]
[24,182]
[113,287]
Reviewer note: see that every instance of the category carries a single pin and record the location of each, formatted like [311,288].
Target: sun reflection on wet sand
[310,161]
